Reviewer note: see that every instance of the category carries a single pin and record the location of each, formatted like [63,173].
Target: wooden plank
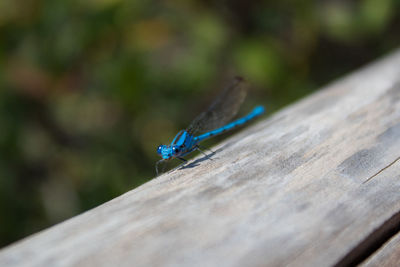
[387,256]
[312,185]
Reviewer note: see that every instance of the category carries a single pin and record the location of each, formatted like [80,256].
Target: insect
[211,122]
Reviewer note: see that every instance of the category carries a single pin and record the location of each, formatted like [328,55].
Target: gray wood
[304,187]
[387,256]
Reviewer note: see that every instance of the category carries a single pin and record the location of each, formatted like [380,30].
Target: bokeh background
[89,88]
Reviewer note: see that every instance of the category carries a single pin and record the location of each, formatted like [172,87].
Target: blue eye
[159,149]
[176,150]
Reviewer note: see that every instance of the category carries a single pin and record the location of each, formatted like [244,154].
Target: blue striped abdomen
[257,111]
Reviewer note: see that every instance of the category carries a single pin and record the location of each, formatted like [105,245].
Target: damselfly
[211,122]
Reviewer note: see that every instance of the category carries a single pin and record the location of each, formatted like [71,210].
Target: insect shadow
[197,161]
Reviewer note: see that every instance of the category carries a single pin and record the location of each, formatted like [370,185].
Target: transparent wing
[223,109]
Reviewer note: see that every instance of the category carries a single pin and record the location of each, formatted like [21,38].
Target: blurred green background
[88,89]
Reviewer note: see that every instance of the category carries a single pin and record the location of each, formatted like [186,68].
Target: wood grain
[308,186]
[387,256]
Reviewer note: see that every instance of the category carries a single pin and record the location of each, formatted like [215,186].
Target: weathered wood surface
[387,256]
[316,184]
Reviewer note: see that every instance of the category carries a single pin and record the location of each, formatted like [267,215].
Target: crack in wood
[372,242]
[380,171]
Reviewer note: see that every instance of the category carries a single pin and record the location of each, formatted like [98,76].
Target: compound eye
[176,150]
[159,149]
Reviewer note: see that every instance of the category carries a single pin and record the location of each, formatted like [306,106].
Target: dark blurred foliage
[90,88]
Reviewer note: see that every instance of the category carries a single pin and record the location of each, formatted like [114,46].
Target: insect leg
[205,148]
[207,156]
